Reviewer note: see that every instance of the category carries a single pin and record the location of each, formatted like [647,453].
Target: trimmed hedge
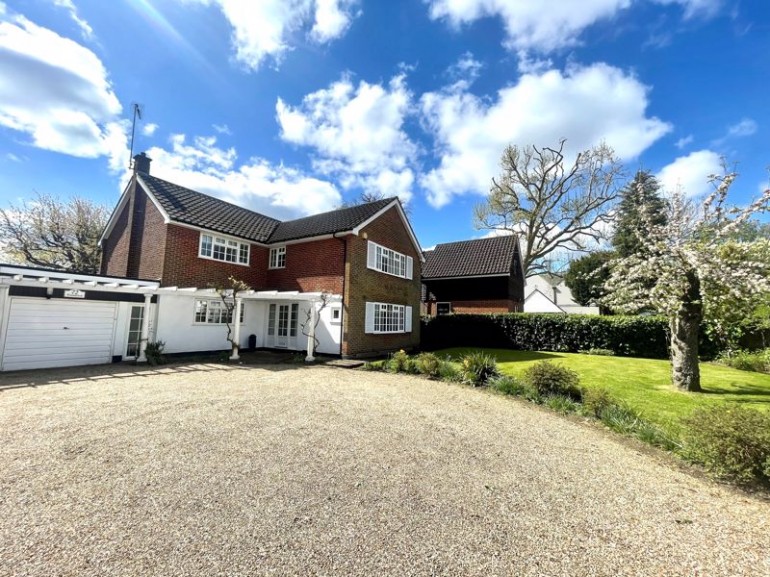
[634,336]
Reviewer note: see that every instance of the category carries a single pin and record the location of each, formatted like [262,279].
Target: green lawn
[645,384]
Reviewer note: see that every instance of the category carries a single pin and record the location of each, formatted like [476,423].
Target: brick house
[474,276]
[366,257]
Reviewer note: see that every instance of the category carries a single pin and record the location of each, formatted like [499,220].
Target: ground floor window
[214,312]
[388,318]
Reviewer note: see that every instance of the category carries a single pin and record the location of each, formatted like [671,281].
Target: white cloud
[267,28]
[466,69]
[696,8]
[85,28]
[684,141]
[585,105]
[690,173]
[357,133]
[222,129]
[746,127]
[277,191]
[149,129]
[58,93]
[541,26]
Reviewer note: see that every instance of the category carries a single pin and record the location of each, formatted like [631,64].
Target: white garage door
[58,333]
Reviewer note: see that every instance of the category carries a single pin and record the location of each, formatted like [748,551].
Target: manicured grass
[645,384]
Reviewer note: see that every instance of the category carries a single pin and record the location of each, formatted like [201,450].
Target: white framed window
[213,312]
[278,257]
[224,249]
[336,315]
[389,261]
[383,318]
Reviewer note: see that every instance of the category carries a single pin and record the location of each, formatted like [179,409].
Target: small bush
[510,385]
[478,368]
[400,362]
[596,400]
[548,378]
[448,372]
[428,364]
[153,352]
[755,361]
[731,441]
[374,366]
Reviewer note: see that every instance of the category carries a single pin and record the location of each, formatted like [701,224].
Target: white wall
[536,302]
[557,291]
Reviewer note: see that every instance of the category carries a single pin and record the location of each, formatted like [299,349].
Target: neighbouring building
[474,276]
[547,293]
[359,266]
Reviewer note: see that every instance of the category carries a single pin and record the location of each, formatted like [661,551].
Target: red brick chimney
[142,163]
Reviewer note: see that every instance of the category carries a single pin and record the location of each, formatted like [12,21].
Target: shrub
[599,352]
[478,368]
[731,441]
[448,372]
[374,366]
[596,401]
[428,364]
[562,404]
[548,378]
[154,353]
[510,385]
[755,361]
[400,362]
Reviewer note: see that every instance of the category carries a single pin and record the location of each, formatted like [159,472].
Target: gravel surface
[285,470]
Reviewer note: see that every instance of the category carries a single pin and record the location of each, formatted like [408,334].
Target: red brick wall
[184,268]
[310,267]
[148,239]
[366,285]
[485,306]
[115,246]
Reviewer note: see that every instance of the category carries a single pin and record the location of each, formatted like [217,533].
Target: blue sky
[290,107]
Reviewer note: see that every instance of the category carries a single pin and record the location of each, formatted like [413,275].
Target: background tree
[641,204]
[552,204]
[586,276]
[52,233]
[695,276]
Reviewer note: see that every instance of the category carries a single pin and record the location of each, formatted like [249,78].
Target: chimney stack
[142,163]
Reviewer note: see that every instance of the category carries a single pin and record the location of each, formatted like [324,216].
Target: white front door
[134,331]
[282,323]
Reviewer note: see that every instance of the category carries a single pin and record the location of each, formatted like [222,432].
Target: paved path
[216,470]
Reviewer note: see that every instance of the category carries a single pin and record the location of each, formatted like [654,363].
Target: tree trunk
[685,328]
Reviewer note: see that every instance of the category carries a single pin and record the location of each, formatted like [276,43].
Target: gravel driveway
[216,470]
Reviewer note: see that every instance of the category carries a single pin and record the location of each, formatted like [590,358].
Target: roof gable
[481,257]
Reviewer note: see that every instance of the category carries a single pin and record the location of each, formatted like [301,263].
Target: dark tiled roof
[191,207]
[485,256]
[328,222]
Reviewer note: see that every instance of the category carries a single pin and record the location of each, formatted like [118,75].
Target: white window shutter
[408,320]
[409,265]
[369,321]
[371,256]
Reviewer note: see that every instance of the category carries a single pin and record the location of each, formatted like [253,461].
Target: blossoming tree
[693,269]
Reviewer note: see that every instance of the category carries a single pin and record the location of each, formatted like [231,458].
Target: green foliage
[562,404]
[153,352]
[599,352]
[428,364]
[477,368]
[641,206]
[548,378]
[636,336]
[731,441]
[755,361]
[374,366]
[400,362]
[449,372]
[596,400]
[509,385]
[585,277]
[623,419]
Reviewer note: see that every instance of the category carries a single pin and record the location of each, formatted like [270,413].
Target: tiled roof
[191,207]
[339,220]
[198,209]
[485,256]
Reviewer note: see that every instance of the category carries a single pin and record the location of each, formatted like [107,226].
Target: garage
[58,333]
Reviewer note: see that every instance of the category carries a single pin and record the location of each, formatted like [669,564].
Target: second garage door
[58,333]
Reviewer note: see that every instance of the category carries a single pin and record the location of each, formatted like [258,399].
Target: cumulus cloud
[58,93]
[85,28]
[357,134]
[690,174]
[278,191]
[267,29]
[149,129]
[585,105]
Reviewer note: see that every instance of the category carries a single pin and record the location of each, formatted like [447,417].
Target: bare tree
[54,234]
[553,205]
[227,293]
[309,326]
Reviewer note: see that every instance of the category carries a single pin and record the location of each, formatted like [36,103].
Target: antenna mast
[137,113]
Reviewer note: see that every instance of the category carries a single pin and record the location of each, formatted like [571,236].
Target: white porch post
[311,334]
[237,328]
[145,329]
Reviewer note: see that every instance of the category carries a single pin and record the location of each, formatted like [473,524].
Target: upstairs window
[278,257]
[224,249]
[389,261]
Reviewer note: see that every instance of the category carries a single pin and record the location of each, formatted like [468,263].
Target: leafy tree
[54,234]
[640,205]
[586,276]
[552,204]
[695,276]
